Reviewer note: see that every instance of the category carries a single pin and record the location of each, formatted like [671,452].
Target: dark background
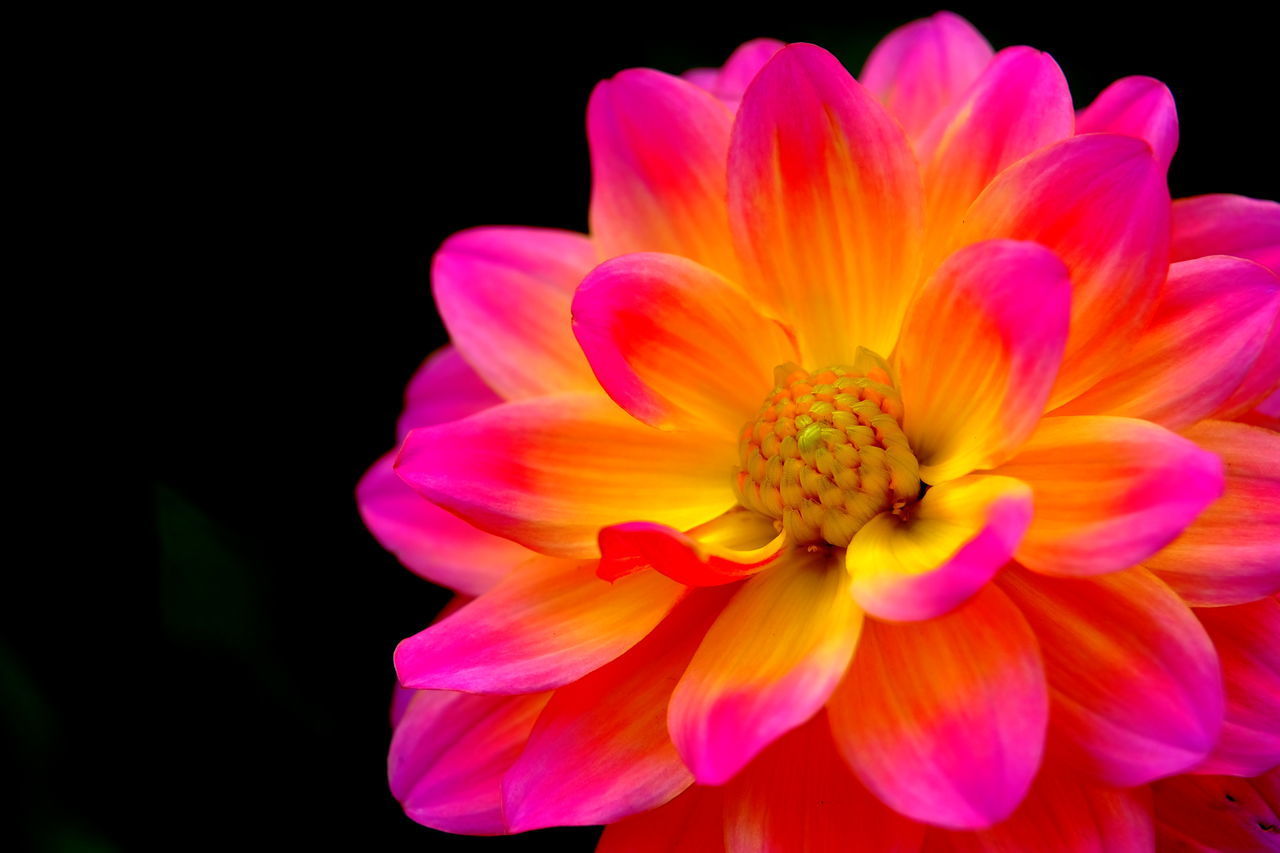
[307,168]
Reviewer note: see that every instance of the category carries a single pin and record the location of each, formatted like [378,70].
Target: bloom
[892,453]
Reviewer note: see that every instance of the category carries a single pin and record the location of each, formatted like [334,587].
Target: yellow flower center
[826,453]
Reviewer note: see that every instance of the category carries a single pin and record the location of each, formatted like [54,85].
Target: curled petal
[1135,106]
[504,294]
[729,82]
[954,541]
[1224,224]
[1134,684]
[1231,553]
[944,719]
[1101,487]
[768,664]
[1208,814]
[735,546]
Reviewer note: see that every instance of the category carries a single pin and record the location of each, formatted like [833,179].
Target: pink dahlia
[893,467]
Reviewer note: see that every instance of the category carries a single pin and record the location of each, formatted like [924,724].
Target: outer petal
[445,388]
[1217,814]
[547,624]
[768,663]
[730,82]
[503,294]
[825,202]
[1247,638]
[1063,815]
[1231,553]
[798,795]
[600,751]
[691,823]
[658,148]
[550,472]
[1099,201]
[944,720]
[1224,224]
[673,343]
[1135,106]
[1102,496]
[449,753]
[1209,326]
[919,69]
[734,546]
[955,540]
[1134,681]
[973,391]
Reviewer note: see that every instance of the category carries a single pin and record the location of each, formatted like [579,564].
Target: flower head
[867,462]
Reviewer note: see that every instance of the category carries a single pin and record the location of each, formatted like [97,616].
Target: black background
[307,169]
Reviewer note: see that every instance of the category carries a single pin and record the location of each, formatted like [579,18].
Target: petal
[658,149]
[798,795]
[445,388]
[972,392]
[449,753]
[1247,638]
[1216,814]
[1063,815]
[919,69]
[1135,106]
[503,294]
[944,719]
[550,472]
[1211,320]
[1100,203]
[600,751]
[432,543]
[675,344]
[767,664]
[1223,224]
[825,202]
[1231,553]
[1101,487]
[734,546]
[1261,383]
[548,623]
[1020,104]
[691,823]
[730,82]
[1133,678]
[953,542]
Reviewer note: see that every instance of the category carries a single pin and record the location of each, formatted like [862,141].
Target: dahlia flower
[893,467]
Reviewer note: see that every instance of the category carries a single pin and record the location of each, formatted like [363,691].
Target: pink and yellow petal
[1231,553]
[1218,814]
[972,392]
[675,344]
[549,473]
[945,719]
[733,547]
[946,549]
[1104,492]
[548,623]
[1141,107]
[825,204]
[1134,684]
[1224,224]
[767,665]
[504,295]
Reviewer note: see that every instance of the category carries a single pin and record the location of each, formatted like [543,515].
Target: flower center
[826,452]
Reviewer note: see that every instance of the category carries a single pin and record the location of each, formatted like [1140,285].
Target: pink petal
[798,795]
[1135,106]
[545,625]
[674,344]
[973,392]
[1133,678]
[1247,638]
[449,753]
[691,823]
[1098,201]
[1212,318]
[768,663]
[1217,814]
[919,69]
[825,202]
[503,294]
[445,388]
[944,719]
[1101,491]
[658,148]
[952,543]
[1260,387]
[1231,553]
[550,472]
[600,751]
[735,546]
[1223,224]
[730,82]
